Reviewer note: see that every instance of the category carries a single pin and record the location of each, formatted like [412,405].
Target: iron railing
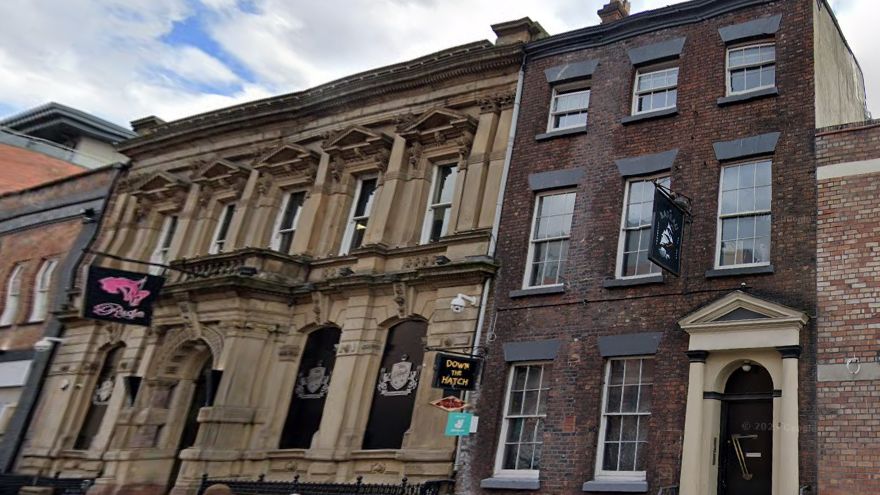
[294,487]
[668,490]
[10,484]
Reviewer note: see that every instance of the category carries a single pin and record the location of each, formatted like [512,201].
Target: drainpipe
[20,421]
[493,240]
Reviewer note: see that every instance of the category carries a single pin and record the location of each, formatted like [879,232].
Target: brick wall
[587,310]
[848,279]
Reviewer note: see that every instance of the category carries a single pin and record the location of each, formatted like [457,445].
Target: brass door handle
[737,447]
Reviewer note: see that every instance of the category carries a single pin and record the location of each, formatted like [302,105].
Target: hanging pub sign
[121,296]
[452,372]
[667,226]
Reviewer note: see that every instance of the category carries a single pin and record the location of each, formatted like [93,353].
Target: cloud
[125,59]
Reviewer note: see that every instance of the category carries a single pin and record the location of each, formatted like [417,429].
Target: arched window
[310,391]
[42,283]
[99,399]
[13,295]
[396,385]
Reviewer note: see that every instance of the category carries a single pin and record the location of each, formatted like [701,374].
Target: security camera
[46,343]
[460,301]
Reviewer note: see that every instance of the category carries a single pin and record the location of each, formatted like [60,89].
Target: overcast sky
[126,59]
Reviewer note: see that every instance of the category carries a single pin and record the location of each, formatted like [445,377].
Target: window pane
[627,457]
[570,120]
[614,396]
[762,174]
[738,80]
[445,185]
[630,398]
[613,430]
[357,238]
[365,198]
[609,459]
[753,78]
[519,377]
[768,75]
[572,101]
[510,451]
[645,398]
[641,456]
[629,428]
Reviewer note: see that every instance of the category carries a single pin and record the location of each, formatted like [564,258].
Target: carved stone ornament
[103,392]
[415,154]
[290,160]
[437,127]
[358,144]
[159,187]
[401,380]
[142,207]
[400,298]
[223,174]
[496,103]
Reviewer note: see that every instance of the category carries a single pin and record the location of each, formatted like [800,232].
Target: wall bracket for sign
[481,351]
[683,201]
[148,263]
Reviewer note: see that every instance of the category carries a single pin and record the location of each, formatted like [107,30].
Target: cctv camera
[460,301]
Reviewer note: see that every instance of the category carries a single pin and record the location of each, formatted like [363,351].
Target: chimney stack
[614,10]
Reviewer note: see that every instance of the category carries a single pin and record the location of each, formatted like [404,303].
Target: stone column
[692,459]
[789,430]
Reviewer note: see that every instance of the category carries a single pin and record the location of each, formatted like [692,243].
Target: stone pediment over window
[220,174]
[440,127]
[739,320]
[358,144]
[290,160]
[159,187]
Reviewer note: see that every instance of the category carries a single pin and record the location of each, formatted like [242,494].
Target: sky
[127,59]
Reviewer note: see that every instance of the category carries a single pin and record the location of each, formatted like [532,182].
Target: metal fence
[10,484]
[294,487]
[668,490]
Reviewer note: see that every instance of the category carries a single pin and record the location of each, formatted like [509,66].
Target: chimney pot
[614,10]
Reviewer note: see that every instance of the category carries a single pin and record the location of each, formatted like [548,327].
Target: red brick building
[848,280]
[23,168]
[605,374]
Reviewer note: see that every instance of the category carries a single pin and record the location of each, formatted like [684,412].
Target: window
[522,431]
[41,290]
[219,243]
[99,400]
[626,410]
[13,294]
[288,217]
[548,248]
[744,215]
[635,235]
[160,254]
[439,204]
[569,107]
[655,90]
[360,214]
[751,68]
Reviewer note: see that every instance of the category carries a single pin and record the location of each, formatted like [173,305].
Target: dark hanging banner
[453,372]
[121,296]
[667,226]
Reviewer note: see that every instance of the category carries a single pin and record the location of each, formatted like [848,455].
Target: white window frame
[499,453]
[727,68]
[429,209]
[349,225]
[277,231]
[42,285]
[217,245]
[719,218]
[13,296]
[644,71]
[163,243]
[621,243]
[531,252]
[575,87]
[602,474]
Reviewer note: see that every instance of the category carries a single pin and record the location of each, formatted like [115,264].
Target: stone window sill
[618,283]
[733,272]
[537,291]
[616,486]
[502,483]
[744,97]
[641,117]
[560,133]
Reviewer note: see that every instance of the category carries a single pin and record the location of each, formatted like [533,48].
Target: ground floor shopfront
[235,379]
[714,404]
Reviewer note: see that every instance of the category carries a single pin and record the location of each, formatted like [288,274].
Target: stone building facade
[604,373]
[318,239]
[43,231]
[848,241]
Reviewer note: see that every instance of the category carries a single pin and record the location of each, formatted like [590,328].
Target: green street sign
[458,424]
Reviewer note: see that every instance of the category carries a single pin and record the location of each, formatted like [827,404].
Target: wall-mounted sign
[453,372]
[667,226]
[448,404]
[459,424]
[121,296]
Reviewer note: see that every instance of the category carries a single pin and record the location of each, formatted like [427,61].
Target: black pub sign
[667,226]
[452,372]
[121,296]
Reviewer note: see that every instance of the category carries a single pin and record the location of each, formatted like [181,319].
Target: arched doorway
[745,463]
[204,387]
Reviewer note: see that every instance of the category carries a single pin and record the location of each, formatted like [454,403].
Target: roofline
[53,112]
[425,70]
[635,25]
[66,178]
